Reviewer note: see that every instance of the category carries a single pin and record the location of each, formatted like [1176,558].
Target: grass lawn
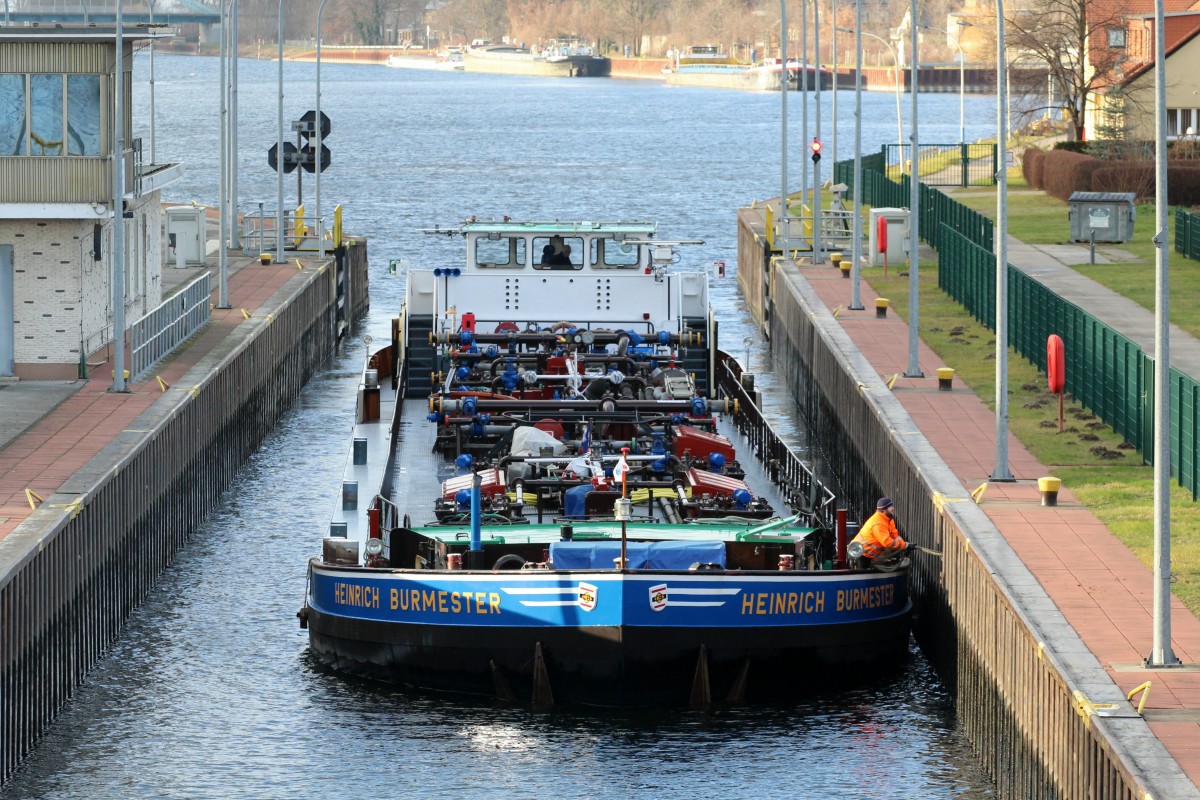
[1093,461]
[1038,218]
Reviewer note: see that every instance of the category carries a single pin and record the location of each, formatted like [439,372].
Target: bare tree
[1072,38]
[633,18]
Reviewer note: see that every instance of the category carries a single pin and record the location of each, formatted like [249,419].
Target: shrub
[1031,166]
[1073,146]
[1183,180]
[1064,172]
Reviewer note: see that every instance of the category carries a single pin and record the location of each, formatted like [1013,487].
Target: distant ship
[556,61]
[706,66]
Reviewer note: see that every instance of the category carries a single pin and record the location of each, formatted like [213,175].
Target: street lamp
[856,229]
[317,171]
[895,71]
[279,150]
[962,80]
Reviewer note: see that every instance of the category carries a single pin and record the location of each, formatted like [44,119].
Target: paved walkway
[49,430]
[1100,586]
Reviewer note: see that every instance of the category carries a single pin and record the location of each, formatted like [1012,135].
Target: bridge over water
[174,12]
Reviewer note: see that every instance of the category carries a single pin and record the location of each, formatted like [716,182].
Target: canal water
[210,692]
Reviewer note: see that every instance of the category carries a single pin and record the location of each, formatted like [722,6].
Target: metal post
[803,83]
[856,230]
[118,250]
[1001,471]
[6,19]
[317,176]
[223,166]
[235,242]
[783,130]
[817,258]
[279,257]
[87,13]
[834,55]
[150,5]
[914,218]
[1161,654]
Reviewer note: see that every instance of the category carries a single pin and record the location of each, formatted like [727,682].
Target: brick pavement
[1099,585]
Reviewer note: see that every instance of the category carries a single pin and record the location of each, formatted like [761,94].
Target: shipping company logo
[587,596]
[658,597]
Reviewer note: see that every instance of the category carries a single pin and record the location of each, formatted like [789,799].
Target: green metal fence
[948,164]
[1106,372]
[1187,233]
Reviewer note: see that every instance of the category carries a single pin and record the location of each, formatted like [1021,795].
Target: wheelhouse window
[615,254]
[558,252]
[500,251]
[49,115]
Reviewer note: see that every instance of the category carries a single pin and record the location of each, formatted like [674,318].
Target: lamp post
[1161,654]
[914,215]
[279,258]
[223,167]
[118,248]
[856,225]
[834,114]
[783,131]
[817,258]
[1001,471]
[317,171]
[859,33]
[962,78]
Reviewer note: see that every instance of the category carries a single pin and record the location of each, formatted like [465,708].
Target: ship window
[502,251]
[558,252]
[615,254]
[12,115]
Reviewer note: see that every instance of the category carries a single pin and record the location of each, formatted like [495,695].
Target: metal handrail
[800,487]
[157,334]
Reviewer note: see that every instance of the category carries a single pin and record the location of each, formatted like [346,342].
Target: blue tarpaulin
[641,555]
[575,501]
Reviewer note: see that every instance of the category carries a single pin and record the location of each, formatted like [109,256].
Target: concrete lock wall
[73,571]
[985,622]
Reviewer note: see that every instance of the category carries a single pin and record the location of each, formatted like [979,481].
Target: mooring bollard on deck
[945,378]
[881,307]
[1049,487]
[836,260]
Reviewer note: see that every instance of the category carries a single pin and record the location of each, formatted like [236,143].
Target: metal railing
[801,489]
[1187,234]
[300,232]
[156,335]
[956,164]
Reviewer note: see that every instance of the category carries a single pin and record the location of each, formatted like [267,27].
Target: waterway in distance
[210,692]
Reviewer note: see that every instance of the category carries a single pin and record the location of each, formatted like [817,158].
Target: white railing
[156,335]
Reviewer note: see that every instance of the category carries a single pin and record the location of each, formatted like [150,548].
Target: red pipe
[373,522]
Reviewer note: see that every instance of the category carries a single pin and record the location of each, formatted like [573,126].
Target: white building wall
[62,296]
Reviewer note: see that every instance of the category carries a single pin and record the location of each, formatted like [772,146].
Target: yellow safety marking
[194,391]
[211,307]
[298,264]
[940,500]
[245,313]
[892,380]
[966,545]
[270,318]
[977,495]
[30,496]
[1086,708]
[837,311]
[76,506]
[1145,690]
[162,385]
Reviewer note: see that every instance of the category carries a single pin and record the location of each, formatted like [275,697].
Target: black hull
[612,667]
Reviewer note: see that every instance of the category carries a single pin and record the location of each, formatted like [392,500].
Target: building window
[49,115]
[83,115]
[46,115]
[12,115]
[1116,37]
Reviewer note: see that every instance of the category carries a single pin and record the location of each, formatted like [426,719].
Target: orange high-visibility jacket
[879,534]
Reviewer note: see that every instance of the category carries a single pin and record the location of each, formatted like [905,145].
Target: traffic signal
[816,150]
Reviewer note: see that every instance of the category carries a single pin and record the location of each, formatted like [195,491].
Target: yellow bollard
[945,378]
[1049,487]
[881,307]
[836,260]
[264,258]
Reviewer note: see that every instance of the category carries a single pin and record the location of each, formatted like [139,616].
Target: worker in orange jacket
[879,536]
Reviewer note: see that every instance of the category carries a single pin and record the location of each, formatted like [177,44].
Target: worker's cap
[884,502]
